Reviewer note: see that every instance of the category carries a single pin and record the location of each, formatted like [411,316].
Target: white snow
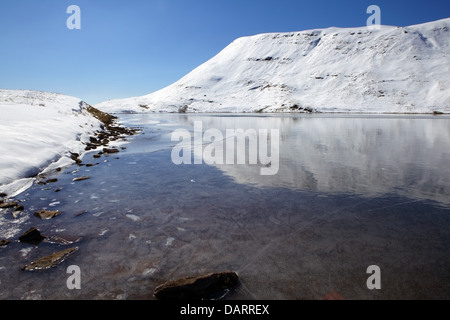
[38,130]
[354,70]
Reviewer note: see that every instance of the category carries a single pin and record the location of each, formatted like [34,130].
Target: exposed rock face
[202,287]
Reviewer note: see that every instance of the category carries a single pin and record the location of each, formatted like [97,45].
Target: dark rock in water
[81,213]
[52,180]
[3,195]
[96,156]
[49,261]
[80,179]
[46,215]
[208,286]
[8,205]
[4,243]
[110,150]
[32,236]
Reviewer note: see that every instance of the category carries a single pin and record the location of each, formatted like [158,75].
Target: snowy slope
[392,70]
[39,129]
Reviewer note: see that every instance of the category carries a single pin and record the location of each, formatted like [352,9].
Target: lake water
[350,192]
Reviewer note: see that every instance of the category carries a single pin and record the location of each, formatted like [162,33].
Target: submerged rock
[81,213]
[32,236]
[80,179]
[49,261]
[62,241]
[8,205]
[4,242]
[110,150]
[17,210]
[46,215]
[208,286]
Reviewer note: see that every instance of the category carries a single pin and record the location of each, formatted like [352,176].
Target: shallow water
[351,192]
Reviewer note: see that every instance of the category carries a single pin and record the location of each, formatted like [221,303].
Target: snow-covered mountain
[38,130]
[390,70]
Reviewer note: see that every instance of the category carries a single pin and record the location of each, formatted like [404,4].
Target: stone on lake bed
[110,150]
[208,286]
[49,261]
[32,236]
[4,242]
[62,241]
[46,215]
[8,205]
[80,179]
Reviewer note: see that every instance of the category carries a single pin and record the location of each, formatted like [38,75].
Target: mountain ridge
[350,70]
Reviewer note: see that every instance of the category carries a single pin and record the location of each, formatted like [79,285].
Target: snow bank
[391,70]
[38,130]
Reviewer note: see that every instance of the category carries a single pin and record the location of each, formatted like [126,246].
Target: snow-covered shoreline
[402,70]
[39,131]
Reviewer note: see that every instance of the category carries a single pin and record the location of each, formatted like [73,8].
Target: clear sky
[130,48]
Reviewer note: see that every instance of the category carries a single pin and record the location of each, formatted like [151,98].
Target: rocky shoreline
[101,140]
[207,286]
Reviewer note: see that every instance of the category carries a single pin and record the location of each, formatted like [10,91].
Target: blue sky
[134,47]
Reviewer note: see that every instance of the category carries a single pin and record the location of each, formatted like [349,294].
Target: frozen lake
[349,192]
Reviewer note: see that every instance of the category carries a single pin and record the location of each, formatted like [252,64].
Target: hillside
[391,70]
